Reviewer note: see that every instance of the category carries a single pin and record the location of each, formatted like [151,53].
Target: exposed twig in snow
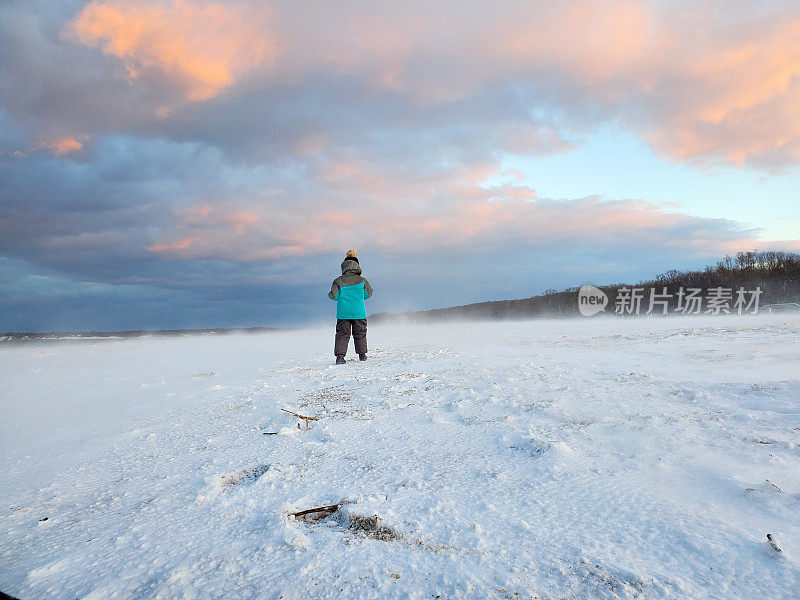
[314,514]
[305,418]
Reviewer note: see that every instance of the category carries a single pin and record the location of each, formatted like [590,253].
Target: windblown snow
[597,458]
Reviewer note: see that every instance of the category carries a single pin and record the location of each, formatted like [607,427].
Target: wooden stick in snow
[305,418]
[324,511]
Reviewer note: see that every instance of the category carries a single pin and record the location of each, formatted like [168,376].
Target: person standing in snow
[350,290]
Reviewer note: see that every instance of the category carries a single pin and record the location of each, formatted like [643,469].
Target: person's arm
[334,290]
[367,289]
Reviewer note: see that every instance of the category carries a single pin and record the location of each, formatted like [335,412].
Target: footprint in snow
[224,481]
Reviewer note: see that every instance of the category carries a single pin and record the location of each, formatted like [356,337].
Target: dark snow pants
[343,327]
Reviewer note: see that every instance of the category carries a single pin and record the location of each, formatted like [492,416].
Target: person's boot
[362,356]
[340,359]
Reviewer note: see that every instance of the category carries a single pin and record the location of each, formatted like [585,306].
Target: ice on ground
[603,458]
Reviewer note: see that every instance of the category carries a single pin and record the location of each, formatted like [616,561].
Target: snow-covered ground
[597,458]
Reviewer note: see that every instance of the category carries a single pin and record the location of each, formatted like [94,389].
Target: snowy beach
[596,458]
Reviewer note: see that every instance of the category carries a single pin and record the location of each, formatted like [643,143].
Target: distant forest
[777,274]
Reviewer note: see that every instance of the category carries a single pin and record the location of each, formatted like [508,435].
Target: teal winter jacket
[350,290]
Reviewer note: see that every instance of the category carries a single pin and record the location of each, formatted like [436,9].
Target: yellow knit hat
[351,254]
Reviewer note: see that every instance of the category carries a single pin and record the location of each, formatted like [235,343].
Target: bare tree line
[776,273]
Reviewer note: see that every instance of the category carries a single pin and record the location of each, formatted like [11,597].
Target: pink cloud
[461,214]
[597,41]
[195,214]
[62,146]
[352,174]
[705,82]
[734,99]
[202,47]
[240,220]
[174,247]
[700,82]
[694,82]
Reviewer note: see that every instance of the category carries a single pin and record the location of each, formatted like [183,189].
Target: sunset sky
[181,163]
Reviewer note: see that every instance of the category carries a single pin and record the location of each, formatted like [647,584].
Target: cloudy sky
[185,163]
